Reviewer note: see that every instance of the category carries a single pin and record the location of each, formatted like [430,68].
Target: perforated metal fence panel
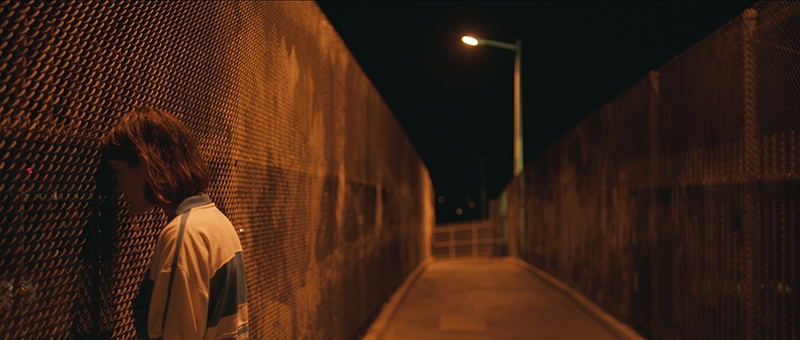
[676,206]
[333,204]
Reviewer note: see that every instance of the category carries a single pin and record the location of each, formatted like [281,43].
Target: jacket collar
[191,202]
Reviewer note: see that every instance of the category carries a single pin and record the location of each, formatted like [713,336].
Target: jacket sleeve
[187,311]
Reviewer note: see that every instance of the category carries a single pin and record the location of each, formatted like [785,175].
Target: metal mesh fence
[674,206]
[331,200]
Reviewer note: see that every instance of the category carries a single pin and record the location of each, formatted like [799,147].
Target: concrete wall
[332,201]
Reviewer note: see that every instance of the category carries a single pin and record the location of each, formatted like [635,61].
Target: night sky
[455,101]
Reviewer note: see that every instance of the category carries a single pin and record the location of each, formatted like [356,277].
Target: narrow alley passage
[487,299]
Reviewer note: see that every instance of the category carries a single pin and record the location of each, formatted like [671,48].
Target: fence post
[452,243]
[751,183]
[474,240]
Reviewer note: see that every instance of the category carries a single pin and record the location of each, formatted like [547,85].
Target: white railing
[470,239]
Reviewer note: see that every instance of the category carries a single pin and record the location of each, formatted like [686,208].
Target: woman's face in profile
[131,182]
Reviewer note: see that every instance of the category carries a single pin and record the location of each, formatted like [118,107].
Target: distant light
[441,199]
[30,171]
[459,211]
[472,205]
[469,40]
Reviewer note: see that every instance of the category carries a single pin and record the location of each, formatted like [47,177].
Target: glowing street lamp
[469,40]
[517,48]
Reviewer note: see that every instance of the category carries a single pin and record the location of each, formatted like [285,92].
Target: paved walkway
[487,299]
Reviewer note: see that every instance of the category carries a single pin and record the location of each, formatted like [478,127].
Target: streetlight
[517,48]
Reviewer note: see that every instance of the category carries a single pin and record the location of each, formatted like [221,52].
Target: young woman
[195,285]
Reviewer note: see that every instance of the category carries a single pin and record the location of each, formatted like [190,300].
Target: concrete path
[487,299]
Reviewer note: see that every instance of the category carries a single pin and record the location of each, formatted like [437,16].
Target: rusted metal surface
[333,205]
[674,206]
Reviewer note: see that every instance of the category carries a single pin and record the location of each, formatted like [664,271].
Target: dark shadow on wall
[94,306]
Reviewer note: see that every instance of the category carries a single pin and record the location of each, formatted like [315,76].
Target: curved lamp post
[517,48]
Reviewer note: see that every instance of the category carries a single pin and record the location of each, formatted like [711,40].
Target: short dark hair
[175,168]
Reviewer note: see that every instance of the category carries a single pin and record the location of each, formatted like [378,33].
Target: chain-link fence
[332,203]
[676,206]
